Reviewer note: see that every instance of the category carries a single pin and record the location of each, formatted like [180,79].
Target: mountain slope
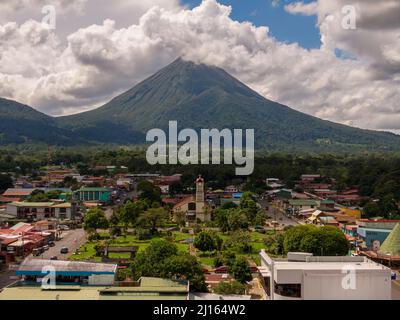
[21,124]
[200,96]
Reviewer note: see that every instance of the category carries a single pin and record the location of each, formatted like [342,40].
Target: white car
[64,227]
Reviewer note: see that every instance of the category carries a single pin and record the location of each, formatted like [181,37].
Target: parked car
[54,258]
[52,244]
[64,227]
[64,250]
[37,252]
[45,248]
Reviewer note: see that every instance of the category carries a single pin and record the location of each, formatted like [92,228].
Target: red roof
[9,199]
[12,192]
[374,221]
[171,200]
[184,201]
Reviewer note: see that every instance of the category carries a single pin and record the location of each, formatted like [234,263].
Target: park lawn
[181,235]
[205,260]
[182,247]
[87,252]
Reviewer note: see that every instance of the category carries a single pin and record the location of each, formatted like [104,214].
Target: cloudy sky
[311,55]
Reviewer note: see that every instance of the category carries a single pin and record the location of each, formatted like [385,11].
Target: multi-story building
[305,277]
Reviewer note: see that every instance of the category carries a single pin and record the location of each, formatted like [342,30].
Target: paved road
[5,278]
[395,291]
[72,239]
[277,215]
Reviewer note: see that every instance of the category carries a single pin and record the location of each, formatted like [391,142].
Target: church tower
[202,212]
[200,195]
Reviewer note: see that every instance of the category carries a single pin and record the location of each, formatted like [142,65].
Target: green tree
[325,241]
[95,219]
[161,259]
[293,237]
[249,206]
[241,271]
[221,219]
[230,288]
[175,188]
[131,211]
[240,241]
[153,218]
[149,263]
[372,209]
[38,196]
[186,266]
[229,205]
[204,241]
[149,192]
[237,219]
[5,182]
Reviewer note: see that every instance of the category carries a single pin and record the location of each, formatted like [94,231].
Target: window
[192,206]
[288,290]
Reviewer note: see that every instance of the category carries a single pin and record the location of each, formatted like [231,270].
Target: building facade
[304,277]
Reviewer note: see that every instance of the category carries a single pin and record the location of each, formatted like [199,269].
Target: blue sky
[283,26]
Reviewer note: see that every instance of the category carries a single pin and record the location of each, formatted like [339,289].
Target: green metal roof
[391,246]
[94,189]
[300,202]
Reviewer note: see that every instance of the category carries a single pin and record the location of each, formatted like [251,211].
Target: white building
[305,277]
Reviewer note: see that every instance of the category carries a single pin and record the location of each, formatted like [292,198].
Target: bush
[94,237]
[143,234]
[218,261]
[197,229]
[230,288]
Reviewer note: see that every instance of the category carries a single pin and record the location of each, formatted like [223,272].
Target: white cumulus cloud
[98,61]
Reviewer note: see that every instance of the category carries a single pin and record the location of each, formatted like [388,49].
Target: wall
[319,285]
[11,210]
[101,279]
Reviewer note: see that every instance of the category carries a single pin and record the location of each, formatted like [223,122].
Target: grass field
[87,251]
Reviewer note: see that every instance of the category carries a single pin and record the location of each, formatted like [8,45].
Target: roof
[18,192]
[21,227]
[63,205]
[302,202]
[164,290]
[32,204]
[5,199]
[30,266]
[327,202]
[216,297]
[310,175]
[391,246]
[87,189]
[184,201]
[20,243]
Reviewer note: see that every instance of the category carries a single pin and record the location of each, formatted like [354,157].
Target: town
[110,232]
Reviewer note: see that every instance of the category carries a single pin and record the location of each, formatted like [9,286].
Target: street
[395,291]
[72,239]
[276,214]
